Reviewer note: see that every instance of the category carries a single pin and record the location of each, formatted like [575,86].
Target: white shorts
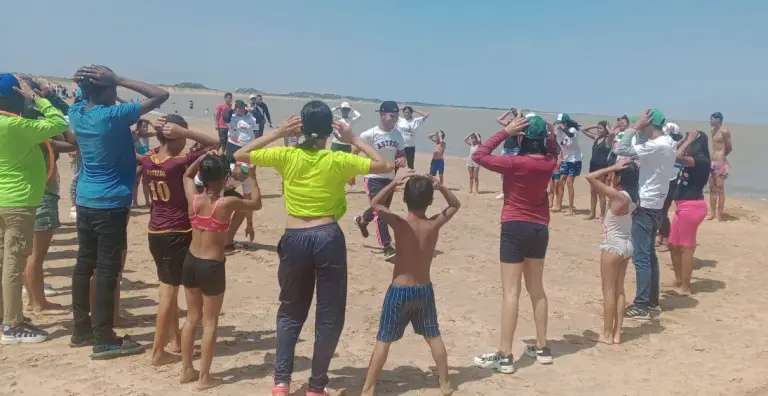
[620,246]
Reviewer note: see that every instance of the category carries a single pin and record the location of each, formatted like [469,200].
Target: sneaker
[73,214]
[543,355]
[47,289]
[325,392]
[124,346]
[81,341]
[281,390]
[23,333]
[634,312]
[502,364]
[655,309]
[389,253]
[363,228]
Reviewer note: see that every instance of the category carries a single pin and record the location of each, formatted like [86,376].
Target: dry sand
[711,343]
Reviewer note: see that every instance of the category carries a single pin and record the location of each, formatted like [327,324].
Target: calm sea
[749,141]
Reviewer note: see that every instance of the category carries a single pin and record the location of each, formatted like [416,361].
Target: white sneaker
[24,333]
[500,196]
[494,360]
[47,289]
[73,214]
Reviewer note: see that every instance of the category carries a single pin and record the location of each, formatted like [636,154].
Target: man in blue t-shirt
[103,200]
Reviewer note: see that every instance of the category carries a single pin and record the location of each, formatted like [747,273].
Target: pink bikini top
[207,223]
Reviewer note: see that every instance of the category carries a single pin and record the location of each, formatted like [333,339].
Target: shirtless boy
[410,298]
[721,149]
[437,166]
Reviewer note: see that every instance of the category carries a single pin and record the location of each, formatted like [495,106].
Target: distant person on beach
[141,135]
[22,187]
[524,231]
[222,126]
[601,153]
[570,166]
[204,272]
[721,149]
[103,131]
[387,139]
[511,146]
[408,126]
[437,165]
[656,153]
[616,249]
[312,251]
[410,298]
[348,116]
[260,112]
[690,206]
[243,128]
[169,229]
[206,111]
[473,141]
[191,105]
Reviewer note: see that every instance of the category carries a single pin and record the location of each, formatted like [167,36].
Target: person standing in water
[721,149]
[312,250]
[408,127]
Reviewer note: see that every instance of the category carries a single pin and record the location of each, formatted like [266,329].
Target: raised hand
[343,132]
[290,127]
[517,125]
[98,75]
[25,90]
[173,131]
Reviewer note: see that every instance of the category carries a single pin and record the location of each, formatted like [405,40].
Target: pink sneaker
[281,390]
[325,392]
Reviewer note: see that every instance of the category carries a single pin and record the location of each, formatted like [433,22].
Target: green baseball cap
[632,119]
[537,128]
[562,118]
[657,118]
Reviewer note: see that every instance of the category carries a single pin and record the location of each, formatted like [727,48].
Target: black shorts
[597,165]
[521,240]
[207,275]
[169,251]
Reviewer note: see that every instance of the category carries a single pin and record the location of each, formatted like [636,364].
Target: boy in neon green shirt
[22,184]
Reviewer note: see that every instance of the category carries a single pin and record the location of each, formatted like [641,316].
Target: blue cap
[7,82]
[389,106]
[717,115]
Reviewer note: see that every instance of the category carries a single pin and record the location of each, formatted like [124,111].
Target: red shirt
[169,211]
[220,110]
[526,178]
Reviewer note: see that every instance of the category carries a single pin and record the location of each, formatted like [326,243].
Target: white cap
[671,129]
[253,96]
[345,105]
[529,115]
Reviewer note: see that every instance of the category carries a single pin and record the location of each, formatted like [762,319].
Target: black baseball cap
[389,107]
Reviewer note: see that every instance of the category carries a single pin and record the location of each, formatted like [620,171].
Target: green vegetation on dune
[188,85]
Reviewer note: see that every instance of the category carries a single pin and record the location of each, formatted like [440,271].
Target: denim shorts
[47,214]
[408,304]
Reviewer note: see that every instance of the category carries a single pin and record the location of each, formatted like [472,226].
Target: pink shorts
[688,217]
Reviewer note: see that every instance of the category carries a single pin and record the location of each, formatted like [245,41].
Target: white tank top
[618,226]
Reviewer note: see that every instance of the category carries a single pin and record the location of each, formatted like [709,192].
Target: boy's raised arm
[453,204]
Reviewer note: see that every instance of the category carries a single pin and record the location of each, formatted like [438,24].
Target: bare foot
[188,375]
[711,217]
[617,338]
[447,388]
[720,218]
[605,339]
[590,217]
[164,358]
[671,285]
[570,212]
[50,308]
[683,291]
[208,382]
[174,347]
[556,209]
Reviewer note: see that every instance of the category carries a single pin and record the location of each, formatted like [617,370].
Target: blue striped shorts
[408,304]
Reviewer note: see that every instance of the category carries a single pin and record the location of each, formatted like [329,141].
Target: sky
[687,58]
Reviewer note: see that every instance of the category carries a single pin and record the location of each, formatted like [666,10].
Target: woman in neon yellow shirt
[313,248]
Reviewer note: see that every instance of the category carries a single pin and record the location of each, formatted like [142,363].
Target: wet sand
[710,343]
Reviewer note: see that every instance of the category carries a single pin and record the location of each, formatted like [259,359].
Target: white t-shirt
[657,158]
[388,144]
[354,115]
[569,146]
[242,130]
[232,184]
[409,128]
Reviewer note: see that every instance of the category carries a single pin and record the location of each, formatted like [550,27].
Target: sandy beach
[710,343]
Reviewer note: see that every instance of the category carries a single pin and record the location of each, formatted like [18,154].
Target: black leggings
[410,153]
[665,224]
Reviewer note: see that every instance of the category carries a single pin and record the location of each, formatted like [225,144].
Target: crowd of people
[639,167]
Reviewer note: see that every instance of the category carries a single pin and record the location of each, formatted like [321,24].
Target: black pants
[102,235]
[665,224]
[223,137]
[410,153]
[308,256]
[372,186]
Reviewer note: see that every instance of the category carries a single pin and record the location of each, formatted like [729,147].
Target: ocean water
[749,141]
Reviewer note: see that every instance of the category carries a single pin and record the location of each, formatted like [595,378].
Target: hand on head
[622,163]
[343,131]
[517,125]
[644,120]
[692,135]
[97,75]
[402,177]
[290,127]
[435,181]
[400,162]
[25,90]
